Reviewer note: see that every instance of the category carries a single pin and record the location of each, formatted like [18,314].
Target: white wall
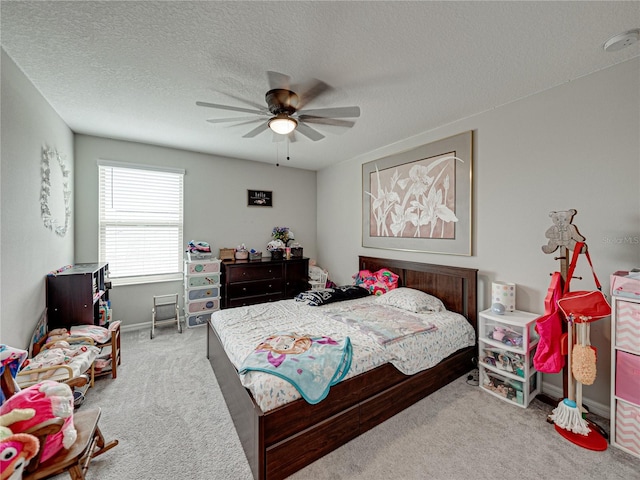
[573,146]
[29,250]
[215,207]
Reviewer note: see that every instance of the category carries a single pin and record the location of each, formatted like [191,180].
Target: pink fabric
[548,357]
[628,376]
[378,282]
[50,400]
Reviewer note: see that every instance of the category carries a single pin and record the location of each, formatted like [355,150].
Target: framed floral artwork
[420,200]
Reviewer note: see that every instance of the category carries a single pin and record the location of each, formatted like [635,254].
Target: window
[140,221]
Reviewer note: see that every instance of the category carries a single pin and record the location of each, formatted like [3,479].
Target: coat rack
[563,235]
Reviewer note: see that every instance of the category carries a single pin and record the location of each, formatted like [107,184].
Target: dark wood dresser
[246,282]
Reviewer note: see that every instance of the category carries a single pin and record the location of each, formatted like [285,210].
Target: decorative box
[296,252]
[242,254]
[255,255]
[277,254]
[227,253]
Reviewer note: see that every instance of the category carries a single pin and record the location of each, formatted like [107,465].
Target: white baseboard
[141,326]
[595,407]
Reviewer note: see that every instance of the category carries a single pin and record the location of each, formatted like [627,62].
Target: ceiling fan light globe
[282,124]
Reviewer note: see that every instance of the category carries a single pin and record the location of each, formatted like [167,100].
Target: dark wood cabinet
[75,294]
[246,282]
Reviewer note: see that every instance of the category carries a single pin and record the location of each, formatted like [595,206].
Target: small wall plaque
[259,198]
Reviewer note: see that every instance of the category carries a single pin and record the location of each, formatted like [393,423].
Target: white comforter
[242,329]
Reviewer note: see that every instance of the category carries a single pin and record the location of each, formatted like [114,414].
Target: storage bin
[505,387]
[510,335]
[627,433]
[203,305]
[202,293]
[197,320]
[203,280]
[628,376]
[627,325]
[503,360]
[625,284]
[193,256]
[227,253]
[212,266]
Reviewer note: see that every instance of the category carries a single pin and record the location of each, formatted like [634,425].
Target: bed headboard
[455,286]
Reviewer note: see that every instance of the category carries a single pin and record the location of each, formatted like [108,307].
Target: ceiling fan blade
[234,119]
[309,132]
[278,80]
[277,138]
[229,107]
[259,129]
[313,91]
[262,108]
[337,112]
[327,121]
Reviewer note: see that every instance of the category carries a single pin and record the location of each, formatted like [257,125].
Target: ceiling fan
[284,114]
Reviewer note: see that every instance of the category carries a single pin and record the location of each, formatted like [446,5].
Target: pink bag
[583,305]
[548,357]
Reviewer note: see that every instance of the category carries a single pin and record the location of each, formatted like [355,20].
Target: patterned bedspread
[385,325]
[241,329]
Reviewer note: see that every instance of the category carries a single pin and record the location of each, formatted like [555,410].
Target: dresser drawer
[202,293]
[202,280]
[628,427]
[627,325]
[202,305]
[244,301]
[628,376]
[260,287]
[203,266]
[258,272]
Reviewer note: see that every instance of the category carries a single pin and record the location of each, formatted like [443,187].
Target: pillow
[411,300]
[330,295]
[378,282]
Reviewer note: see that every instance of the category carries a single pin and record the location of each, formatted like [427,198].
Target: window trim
[141,279]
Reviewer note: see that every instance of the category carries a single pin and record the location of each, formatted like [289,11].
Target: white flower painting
[415,200]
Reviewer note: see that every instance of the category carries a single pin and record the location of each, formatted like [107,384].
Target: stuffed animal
[50,400]
[562,233]
[15,452]
[16,449]
[57,335]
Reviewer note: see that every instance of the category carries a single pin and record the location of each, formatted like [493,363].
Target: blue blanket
[311,364]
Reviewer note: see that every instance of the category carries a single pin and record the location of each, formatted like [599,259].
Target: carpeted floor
[167,411]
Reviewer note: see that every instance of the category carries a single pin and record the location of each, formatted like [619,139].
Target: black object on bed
[316,298]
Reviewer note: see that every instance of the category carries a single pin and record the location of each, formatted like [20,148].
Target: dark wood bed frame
[282,441]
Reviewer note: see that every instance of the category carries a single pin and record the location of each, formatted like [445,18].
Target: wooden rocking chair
[89,444]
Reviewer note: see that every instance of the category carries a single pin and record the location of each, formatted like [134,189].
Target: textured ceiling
[134,70]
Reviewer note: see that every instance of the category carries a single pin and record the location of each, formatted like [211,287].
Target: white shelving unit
[201,290]
[625,376]
[506,345]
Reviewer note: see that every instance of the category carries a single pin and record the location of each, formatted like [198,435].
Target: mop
[567,415]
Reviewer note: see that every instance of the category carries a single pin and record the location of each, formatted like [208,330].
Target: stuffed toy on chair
[16,449]
[49,400]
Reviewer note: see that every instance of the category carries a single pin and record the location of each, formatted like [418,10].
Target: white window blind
[140,221]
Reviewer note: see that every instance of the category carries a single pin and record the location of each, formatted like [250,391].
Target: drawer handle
[244,289]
